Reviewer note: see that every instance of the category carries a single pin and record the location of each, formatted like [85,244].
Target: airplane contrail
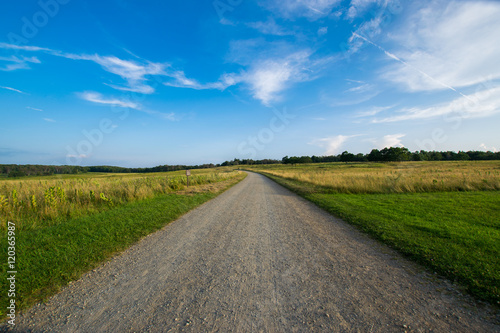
[393,56]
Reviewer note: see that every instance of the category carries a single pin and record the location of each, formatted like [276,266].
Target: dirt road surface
[259,258]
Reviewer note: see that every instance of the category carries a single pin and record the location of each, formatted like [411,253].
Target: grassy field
[444,215]
[406,177]
[43,201]
[55,245]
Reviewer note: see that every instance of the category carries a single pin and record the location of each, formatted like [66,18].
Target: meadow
[444,215]
[41,201]
[393,177]
[65,226]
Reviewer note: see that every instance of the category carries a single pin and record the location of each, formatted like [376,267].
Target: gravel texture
[259,258]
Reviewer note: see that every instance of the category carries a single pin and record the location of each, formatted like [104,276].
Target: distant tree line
[396,154]
[15,170]
[160,168]
[393,154]
[249,162]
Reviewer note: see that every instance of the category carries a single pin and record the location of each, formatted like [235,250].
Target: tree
[462,156]
[395,154]
[374,155]
[305,159]
[435,156]
[346,157]
[16,174]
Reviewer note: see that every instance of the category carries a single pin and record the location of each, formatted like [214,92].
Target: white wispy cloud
[98,98]
[13,89]
[23,47]
[359,7]
[167,116]
[95,97]
[369,29]
[483,103]
[77,156]
[34,109]
[269,68]
[266,75]
[362,88]
[332,144]
[361,92]
[179,80]
[137,74]
[392,140]
[355,81]
[49,120]
[14,63]
[387,141]
[311,9]
[322,31]
[134,73]
[408,65]
[335,102]
[269,77]
[486,148]
[270,27]
[447,44]
[225,21]
[372,111]
[380,13]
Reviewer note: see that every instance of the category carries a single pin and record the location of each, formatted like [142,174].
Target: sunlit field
[405,177]
[44,200]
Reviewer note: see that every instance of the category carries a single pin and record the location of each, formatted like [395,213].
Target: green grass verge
[50,257]
[456,234]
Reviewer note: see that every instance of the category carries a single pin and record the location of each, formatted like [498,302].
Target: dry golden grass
[33,201]
[402,177]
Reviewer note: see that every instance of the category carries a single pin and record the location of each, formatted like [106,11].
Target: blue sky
[144,83]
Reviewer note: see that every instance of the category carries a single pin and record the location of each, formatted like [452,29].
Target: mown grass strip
[456,234]
[50,257]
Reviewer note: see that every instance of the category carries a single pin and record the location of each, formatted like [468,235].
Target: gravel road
[259,258]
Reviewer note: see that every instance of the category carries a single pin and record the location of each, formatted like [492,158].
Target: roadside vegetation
[43,201]
[393,177]
[444,215]
[67,226]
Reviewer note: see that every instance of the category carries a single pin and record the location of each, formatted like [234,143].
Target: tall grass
[406,177]
[41,202]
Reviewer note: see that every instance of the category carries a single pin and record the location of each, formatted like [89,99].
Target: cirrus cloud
[332,144]
[13,89]
[98,98]
[450,42]
[483,103]
[311,9]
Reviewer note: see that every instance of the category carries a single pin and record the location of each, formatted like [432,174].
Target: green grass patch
[50,257]
[34,203]
[456,234]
